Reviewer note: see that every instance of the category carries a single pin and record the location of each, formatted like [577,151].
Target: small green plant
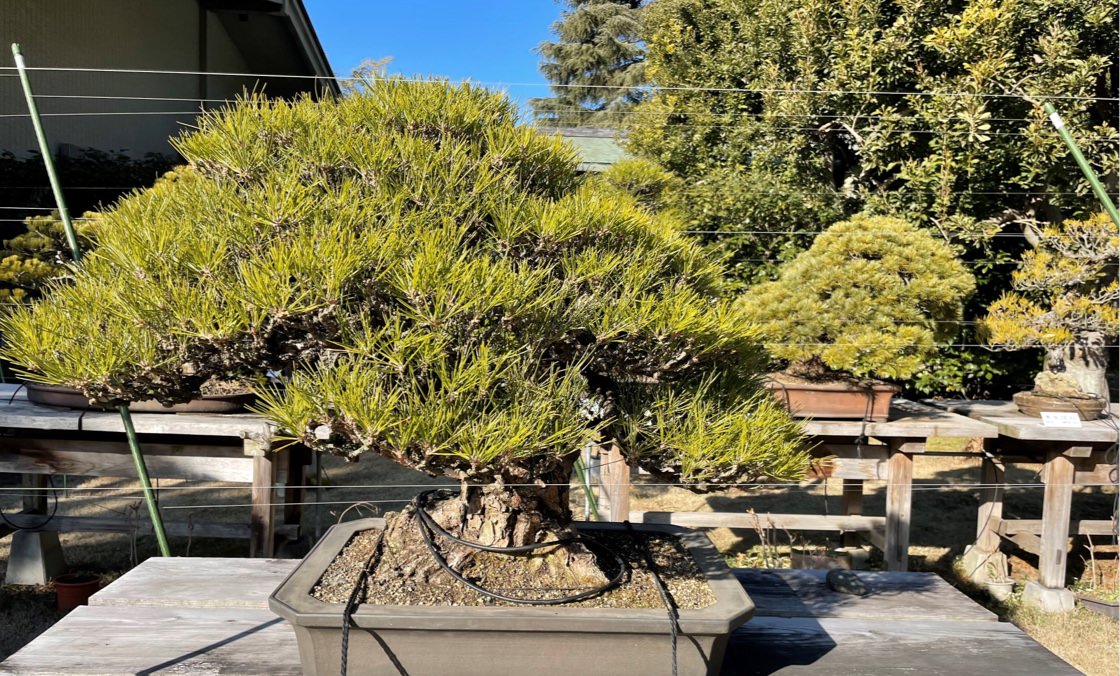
[1063,299]
[873,296]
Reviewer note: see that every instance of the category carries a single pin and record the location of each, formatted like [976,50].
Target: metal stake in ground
[75,250]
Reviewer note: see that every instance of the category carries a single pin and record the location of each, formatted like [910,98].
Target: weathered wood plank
[197,583]
[19,413]
[100,458]
[891,596]
[900,471]
[139,640]
[615,474]
[1083,527]
[908,419]
[262,514]
[804,645]
[851,504]
[1057,500]
[745,520]
[1009,422]
[142,526]
[990,511]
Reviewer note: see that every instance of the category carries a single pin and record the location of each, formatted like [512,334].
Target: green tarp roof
[598,148]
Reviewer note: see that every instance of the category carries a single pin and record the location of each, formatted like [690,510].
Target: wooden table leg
[851,504]
[1058,475]
[35,499]
[262,517]
[615,475]
[900,470]
[990,512]
[298,457]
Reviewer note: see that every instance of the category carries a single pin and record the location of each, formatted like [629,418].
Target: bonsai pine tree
[440,290]
[872,296]
[1064,301]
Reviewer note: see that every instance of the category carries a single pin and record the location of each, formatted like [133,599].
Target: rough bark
[495,515]
[1086,363]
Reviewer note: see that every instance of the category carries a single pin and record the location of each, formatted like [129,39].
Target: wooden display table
[855,458]
[45,440]
[209,616]
[1082,455]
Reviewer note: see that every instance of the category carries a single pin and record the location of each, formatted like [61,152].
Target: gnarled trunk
[494,515]
[1086,363]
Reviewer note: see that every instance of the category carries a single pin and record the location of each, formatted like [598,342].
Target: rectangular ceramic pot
[831,401]
[537,640]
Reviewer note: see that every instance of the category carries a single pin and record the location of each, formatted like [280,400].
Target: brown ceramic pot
[1033,403]
[834,400]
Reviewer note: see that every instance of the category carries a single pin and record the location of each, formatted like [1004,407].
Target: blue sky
[484,40]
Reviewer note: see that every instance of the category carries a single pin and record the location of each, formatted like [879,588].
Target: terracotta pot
[834,400]
[538,640]
[74,589]
[1033,403]
[54,395]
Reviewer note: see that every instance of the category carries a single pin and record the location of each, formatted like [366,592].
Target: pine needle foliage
[596,63]
[436,282]
[873,296]
[1064,289]
[33,258]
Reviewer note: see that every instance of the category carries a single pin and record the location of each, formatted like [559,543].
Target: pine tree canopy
[871,297]
[596,65]
[436,280]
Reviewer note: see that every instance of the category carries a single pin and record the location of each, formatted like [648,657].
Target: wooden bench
[853,457]
[209,616]
[48,440]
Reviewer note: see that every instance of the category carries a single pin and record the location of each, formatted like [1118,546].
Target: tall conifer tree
[594,65]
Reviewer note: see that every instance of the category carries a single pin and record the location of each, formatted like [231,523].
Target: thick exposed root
[497,517]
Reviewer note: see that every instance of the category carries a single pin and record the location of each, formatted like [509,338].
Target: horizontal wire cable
[554,85]
[814,130]
[807,484]
[103,114]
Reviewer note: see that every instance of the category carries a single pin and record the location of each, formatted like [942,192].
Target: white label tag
[1060,419]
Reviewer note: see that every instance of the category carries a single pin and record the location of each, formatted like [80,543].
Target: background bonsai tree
[442,291]
[1064,301]
[873,296]
[33,258]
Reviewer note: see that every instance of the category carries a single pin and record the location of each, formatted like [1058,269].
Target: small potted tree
[871,298]
[439,289]
[1063,300]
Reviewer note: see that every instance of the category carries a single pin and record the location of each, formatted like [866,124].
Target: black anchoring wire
[352,602]
[428,527]
[46,519]
[670,606]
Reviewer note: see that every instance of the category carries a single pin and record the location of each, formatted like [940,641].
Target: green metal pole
[1094,181]
[142,472]
[581,474]
[48,157]
[76,251]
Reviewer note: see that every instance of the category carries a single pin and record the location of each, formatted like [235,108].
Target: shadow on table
[786,630]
